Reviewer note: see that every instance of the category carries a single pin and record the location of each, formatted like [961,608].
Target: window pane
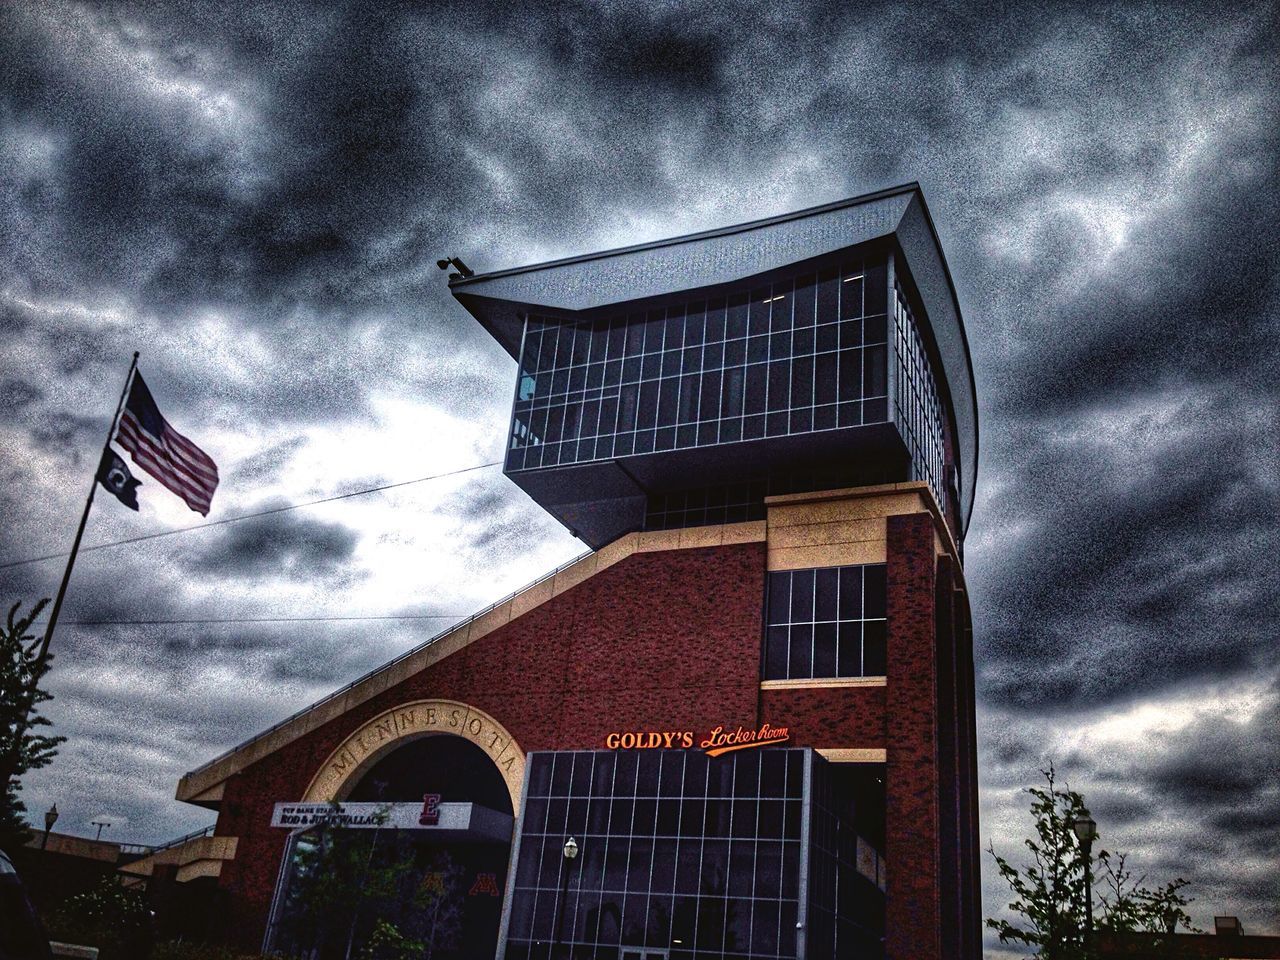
[804,301]
[776,654]
[780,597]
[715,328]
[801,660]
[826,594]
[828,297]
[758,318]
[849,654]
[802,596]
[694,325]
[736,326]
[851,593]
[874,653]
[874,603]
[802,382]
[824,650]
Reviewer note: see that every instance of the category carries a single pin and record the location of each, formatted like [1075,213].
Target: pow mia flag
[115,476]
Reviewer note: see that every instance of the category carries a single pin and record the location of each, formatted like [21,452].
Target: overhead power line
[250,516]
[200,620]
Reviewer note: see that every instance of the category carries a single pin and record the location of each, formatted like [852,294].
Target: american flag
[165,453]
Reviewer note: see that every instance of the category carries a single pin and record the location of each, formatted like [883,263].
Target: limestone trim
[198,857]
[853,754]
[203,785]
[830,528]
[358,752]
[820,683]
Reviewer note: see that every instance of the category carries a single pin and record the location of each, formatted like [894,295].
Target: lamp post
[50,818]
[99,824]
[1086,830]
[570,851]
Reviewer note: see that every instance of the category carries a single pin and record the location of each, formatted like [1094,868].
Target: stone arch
[358,752]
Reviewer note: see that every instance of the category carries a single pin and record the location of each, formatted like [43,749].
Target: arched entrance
[445,765]
[416,819]
[355,755]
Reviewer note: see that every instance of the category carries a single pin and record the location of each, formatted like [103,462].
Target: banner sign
[430,814]
[720,740]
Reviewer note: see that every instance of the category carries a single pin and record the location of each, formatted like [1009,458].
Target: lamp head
[51,817]
[570,848]
[463,270]
[1085,828]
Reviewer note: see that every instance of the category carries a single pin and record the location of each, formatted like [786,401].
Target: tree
[1130,907]
[346,885]
[22,747]
[388,943]
[1049,892]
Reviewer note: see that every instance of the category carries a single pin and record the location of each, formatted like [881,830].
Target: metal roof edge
[905,188]
[964,339]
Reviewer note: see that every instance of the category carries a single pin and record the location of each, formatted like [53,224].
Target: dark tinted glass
[797,348]
[816,620]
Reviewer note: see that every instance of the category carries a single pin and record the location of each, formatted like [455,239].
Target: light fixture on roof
[463,270]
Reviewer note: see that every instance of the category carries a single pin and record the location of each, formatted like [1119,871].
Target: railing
[136,851]
[202,832]
[386,666]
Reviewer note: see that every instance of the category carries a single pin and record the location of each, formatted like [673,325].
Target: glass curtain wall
[847,873]
[685,856]
[805,353]
[678,851]
[918,410]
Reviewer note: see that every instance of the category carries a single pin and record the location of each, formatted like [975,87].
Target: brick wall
[666,640]
[913,920]
[671,640]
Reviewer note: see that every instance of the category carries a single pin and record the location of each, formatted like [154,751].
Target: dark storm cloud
[1236,794]
[282,545]
[497,520]
[255,196]
[18,393]
[1139,436]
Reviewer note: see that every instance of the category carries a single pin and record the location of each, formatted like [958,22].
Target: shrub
[110,917]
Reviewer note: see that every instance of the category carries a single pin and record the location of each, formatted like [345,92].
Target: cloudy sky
[255,198]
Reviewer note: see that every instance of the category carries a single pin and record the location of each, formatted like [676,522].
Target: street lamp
[1086,830]
[570,851]
[99,824]
[50,818]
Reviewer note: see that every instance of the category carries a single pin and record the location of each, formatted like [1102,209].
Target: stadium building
[742,725]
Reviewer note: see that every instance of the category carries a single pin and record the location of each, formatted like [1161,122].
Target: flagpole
[84,517]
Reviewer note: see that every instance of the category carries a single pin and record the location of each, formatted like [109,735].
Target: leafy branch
[22,747]
[1050,891]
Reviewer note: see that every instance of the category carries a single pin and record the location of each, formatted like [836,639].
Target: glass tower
[821,367]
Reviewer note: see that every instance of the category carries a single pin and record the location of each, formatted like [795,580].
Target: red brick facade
[671,640]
